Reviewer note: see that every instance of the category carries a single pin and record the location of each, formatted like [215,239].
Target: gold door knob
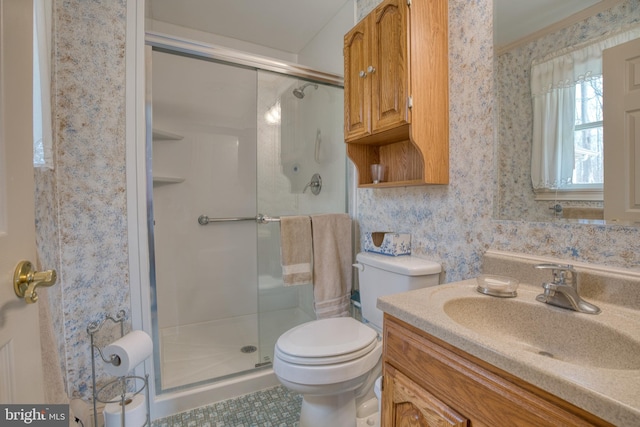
[26,280]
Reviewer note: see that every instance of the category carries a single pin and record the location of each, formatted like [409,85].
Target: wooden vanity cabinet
[427,382]
[396,93]
[411,405]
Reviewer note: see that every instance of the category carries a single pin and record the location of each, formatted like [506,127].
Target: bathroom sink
[549,332]
[591,361]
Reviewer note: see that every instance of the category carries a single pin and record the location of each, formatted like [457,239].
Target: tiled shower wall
[82,213]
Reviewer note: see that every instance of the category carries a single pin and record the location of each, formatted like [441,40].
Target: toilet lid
[327,338]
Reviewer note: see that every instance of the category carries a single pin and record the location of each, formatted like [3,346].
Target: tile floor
[274,407]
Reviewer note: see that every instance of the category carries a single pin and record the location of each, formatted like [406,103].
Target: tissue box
[388,243]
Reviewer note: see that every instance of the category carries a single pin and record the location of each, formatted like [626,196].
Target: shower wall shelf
[166,180]
[162,135]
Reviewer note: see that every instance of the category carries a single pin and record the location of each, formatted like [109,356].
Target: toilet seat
[326,342]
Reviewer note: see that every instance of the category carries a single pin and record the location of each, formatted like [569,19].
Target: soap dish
[497,286]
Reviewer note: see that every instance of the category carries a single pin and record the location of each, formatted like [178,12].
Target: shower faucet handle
[315,184]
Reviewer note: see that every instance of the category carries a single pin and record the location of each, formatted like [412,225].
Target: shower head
[299,91]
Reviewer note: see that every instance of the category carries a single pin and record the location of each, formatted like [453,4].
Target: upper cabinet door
[389,72]
[396,89]
[357,86]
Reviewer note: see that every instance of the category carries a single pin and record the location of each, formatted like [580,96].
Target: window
[588,171]
[567,147]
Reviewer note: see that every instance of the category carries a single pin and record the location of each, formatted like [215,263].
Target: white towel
[295,244]
[332,271]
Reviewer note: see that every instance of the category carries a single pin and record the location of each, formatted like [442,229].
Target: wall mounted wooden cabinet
[397,93]
[428,382]
[376,70]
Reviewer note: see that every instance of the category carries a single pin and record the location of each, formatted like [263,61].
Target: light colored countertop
[609,389]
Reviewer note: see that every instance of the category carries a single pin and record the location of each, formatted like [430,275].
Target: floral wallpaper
[81,211]
[455,224]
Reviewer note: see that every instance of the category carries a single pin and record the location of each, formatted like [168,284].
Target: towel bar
[260,219]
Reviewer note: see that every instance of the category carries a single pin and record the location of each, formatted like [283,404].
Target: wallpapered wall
[616,246]
[451,224]
[81,214]
[454,224]
[81,211]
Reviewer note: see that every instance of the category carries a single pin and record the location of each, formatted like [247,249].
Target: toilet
[334,363]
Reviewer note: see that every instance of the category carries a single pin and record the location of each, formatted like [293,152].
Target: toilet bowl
[328,361]
[334,363]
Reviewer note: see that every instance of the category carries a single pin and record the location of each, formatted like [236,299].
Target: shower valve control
[315,184]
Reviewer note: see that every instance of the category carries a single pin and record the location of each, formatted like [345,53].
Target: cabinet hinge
[408,2]
[410,102]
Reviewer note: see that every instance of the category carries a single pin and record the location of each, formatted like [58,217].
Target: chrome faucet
[563,290]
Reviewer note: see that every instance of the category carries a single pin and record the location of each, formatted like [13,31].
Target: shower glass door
[300,134]
[204,164]
[231,142]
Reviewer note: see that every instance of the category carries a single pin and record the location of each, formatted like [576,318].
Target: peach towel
[295,248]
[332,259]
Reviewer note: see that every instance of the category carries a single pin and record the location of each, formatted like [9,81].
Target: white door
[621,67]
[20,355]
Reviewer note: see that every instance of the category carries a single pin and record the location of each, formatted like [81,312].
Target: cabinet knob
[371,69]
[362,74]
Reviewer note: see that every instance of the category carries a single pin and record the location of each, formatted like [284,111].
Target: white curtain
[553,85]
[42,134]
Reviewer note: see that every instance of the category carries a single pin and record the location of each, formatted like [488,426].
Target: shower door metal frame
[172,44]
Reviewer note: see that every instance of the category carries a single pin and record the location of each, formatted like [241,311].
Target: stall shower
[233,149]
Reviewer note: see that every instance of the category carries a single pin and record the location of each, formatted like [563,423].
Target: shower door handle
[260,219]
[204,220]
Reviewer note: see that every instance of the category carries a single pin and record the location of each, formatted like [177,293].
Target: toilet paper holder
[129,385]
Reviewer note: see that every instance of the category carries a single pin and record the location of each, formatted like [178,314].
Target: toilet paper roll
[130,350]
[135,412]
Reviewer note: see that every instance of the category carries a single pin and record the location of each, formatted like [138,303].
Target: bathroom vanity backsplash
[607,284]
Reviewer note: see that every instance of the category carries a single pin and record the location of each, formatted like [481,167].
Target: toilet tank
[381,275]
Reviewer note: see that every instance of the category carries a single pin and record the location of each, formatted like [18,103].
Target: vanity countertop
[609,392]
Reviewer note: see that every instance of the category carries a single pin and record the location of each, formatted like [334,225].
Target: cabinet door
[405,404]
[357,86]
[390,61]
